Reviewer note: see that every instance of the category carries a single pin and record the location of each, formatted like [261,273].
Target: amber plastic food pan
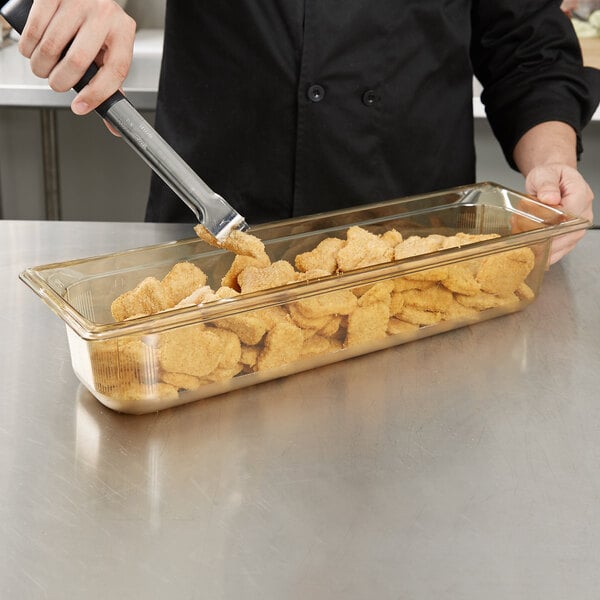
[177,356]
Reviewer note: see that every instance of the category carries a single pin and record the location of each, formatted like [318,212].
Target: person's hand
[99,30]
[564,187]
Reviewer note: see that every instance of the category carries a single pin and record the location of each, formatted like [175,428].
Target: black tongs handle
[16,12]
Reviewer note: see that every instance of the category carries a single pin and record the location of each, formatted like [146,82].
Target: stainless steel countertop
[463,466]
[19,87]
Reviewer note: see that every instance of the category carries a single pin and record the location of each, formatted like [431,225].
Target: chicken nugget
[525,292]
[231,348]
[183,279]
[247,326]
[401,284]
[484,300]
[198,296]
[324,256]
[417,316]
[283,345]
[316,345]
[332,327]
[396,303]
[416,245]
[249,356]
[391,237]
[398,326]
[193,350]
[435,274]
[147,298]
[221,374]
[433,299]
[378,292]
[502,273]
[312,274]
[238,242]
[121,362]
[362,249]
[463,239]
[308,323]
[367,324]
[338,302]
[240,262]
[456,310]
[253,279]
[461,278]
[272,315]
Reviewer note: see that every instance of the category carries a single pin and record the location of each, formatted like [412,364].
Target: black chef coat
[291,107]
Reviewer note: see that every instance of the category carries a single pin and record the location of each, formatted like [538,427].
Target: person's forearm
[553,142]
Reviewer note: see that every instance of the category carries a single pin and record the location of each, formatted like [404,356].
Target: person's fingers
[116,60]
[39,16]
[544,184]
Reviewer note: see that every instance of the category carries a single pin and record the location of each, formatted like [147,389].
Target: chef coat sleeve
[528,59]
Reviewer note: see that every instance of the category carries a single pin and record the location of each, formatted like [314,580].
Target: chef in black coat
[290,107]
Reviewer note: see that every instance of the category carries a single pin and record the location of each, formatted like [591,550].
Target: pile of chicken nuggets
[160,366]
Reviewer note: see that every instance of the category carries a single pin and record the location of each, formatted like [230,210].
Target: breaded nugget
[435,274]
[391,237]
[193,350]
[122,361]
[240,262]
[181,381]
[338,302]
[362,249]
[525,292]
[396,303]
[283,345]
[484,300]
[272,315]
[247,326]
[332,327]
[415,315]
[456,310]
[416,245]
[461,278]
[378,292]
[397,326]
[147,298]
[324,256]
[309,323]
[238,242]
[401,284]
[463,239]
[312,274]
[223,374]
[367,324]
[249,356]
[502,273]
[433,299]
[253,279]
[231,348]
[198,296]
[182,280]
[315,345]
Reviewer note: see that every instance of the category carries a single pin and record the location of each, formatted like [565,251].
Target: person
[291,107]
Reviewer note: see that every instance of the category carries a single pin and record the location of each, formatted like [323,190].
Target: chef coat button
[316,93]
[369,98]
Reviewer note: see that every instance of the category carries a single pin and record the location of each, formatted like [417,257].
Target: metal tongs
[211,209]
